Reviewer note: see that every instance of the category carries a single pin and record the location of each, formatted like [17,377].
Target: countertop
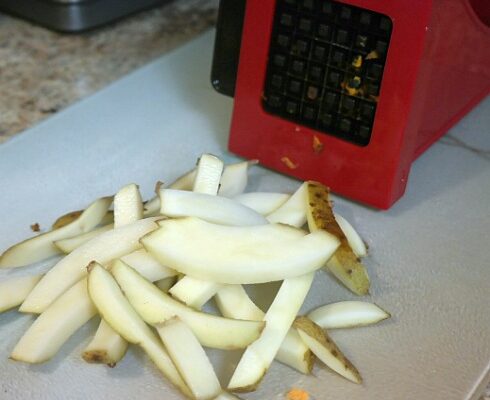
[42,72]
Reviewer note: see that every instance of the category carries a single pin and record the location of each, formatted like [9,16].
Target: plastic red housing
[437,69]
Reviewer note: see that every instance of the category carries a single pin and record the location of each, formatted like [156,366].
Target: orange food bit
[298,394]
[317,145]
[288,163]
[373,55]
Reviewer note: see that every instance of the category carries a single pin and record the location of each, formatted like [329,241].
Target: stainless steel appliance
[74,15]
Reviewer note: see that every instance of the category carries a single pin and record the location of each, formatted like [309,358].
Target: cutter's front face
[324,91]
[325,67]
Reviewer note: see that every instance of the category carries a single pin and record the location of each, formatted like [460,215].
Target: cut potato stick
[66,219]
[347,314]
[194,292]
[325,349]
[262,202]
[226,254]
[216,209]
[55,325]
[234,179]
[184,182]
[66,246]
[147,265]
[355,241]
[151,208]
[293,211]
[191,291]
[13,291]
[258,356]
[227,186]
[234,302]
[208,174]
[128,206]
[70,269]
[115,309]
[344,264]
[107,346]
[73,215]
[190,359]
[295,353]
[155,306]
[166,283]
[226,396]
[350,272]
[41,247]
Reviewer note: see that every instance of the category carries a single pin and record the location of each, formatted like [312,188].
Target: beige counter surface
[42,72]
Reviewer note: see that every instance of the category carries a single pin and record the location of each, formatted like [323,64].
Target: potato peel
[344,264]
[325,349]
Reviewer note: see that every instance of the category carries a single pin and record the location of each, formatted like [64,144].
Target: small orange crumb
[288,163]
[317,145]
[35,227]
[373,55]
[298,394]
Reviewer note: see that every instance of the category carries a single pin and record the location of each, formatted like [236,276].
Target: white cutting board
[429,259]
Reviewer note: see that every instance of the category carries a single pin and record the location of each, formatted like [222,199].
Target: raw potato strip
[215,209]
[66,246]
[325,349]
[65,314]
[55,325]
[209,170]
[226,396]
[151,208]
[41,247]
[66,219]
[226,254]
[13,291]
[194,292]
[155,306]
[234,178]
[107,346]
[191,291]
[166,284]
[347,314]
[233,302]
[262,202]
[344,264]
[73,215]
[70,269]
[258,356]
[146,265]
[190,359]
[293,211]
[128,206]
[185,182]
[355,241]
[115,309]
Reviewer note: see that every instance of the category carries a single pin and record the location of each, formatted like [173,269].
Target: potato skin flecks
[311,329]
[344,264]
